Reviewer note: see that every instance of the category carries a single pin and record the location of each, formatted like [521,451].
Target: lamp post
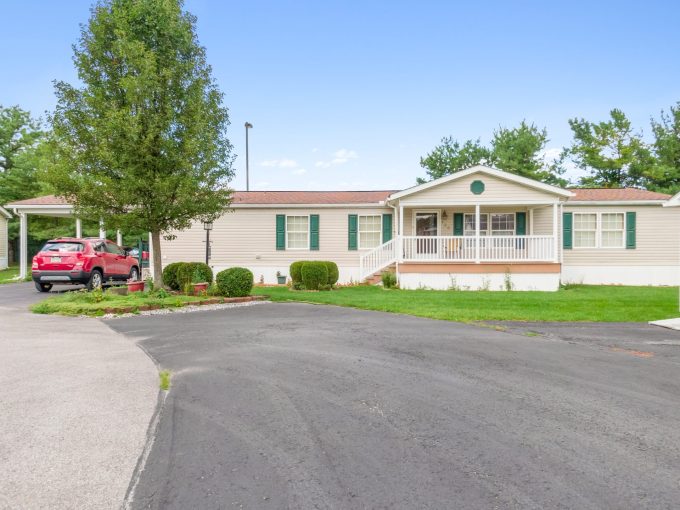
[248,126]
[207,226]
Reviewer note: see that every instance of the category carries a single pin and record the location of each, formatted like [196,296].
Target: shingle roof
[619,194]
[44,200]
[309,197]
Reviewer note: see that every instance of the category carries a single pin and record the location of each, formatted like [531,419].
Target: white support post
[119,238]
[151,272]
[23,245]
[79,228]
[102,230]
[401,233]
[477,236]
[556,257]
[531,221]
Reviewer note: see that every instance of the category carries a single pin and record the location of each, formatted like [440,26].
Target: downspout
[396,257]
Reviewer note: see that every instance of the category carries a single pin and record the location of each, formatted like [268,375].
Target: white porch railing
[378,258]
[490,249]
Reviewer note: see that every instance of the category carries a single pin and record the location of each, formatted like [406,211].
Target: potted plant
[135,286]
[280,278]
[199,286]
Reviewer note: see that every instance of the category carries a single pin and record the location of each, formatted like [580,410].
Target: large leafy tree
[142,143]
[518,150]
[664,174]
[613,154]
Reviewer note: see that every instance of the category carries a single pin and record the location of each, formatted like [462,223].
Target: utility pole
[248,126]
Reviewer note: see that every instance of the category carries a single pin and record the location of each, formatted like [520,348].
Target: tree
[451,157]
[610,151]
[664,174]
[142,144]
[518,150]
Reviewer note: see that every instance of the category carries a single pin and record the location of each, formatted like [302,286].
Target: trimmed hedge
[234,282]
[314,275]
[296,271]
[187,272]
[331,267]
[333,272]
[170,275]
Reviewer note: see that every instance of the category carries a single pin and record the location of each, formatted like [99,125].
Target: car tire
[134,274]
[96,280]
[43,287]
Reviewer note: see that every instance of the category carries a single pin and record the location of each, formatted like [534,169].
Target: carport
[49,205]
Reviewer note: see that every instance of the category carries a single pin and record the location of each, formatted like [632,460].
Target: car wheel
[96,280]
[43,287]
[134,274]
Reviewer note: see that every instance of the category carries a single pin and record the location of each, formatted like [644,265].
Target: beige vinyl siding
[495,190]
[543,221]
[657,239]
[3,239]
[446,226]
[247,237]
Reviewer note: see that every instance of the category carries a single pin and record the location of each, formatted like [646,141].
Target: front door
[426,225]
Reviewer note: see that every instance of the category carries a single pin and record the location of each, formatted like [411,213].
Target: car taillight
[34,265]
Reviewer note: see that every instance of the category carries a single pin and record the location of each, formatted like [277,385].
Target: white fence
[378,258]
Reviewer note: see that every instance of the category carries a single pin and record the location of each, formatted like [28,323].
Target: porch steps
[376,277]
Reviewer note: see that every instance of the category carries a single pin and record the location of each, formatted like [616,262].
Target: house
[480,228]
[4,239]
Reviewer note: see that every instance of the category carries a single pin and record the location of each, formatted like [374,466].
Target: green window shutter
[313,231]
[280,231]
[567,230]
[352,227]
[457,224]
[386,227]
[521,223]
[630,230]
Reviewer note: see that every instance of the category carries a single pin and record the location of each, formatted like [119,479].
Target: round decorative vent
[477,187]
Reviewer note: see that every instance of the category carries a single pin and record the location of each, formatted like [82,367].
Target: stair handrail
[377,259]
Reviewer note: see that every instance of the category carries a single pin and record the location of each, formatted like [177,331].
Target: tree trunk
[157,266]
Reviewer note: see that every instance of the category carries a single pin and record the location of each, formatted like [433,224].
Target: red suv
[89,261]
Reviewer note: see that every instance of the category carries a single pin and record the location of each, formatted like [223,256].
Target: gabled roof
[615,195]
[44,200]
[494,172]
[309,197]
[4,213]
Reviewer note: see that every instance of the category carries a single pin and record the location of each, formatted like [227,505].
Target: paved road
[302,406]
[76,399]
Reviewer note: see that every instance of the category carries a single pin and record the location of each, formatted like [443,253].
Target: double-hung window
[297,232]
[370,231]
[469,224]
[585,230]
[502,224]
[612,230]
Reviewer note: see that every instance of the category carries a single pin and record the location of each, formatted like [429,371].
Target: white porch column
[79,228]
[102,230]
[531,221]
[401,234]
[477,237]
[23,244]
[119,238]
[556,257]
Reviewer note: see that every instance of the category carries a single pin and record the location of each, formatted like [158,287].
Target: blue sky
[350,95]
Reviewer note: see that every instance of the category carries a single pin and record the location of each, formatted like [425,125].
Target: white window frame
[359,216]
[287,231]
[599,230]
[489,228]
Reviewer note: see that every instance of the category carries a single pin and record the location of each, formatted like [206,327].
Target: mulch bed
[207,301]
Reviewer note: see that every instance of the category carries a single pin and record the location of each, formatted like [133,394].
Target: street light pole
[207,226]
[248,126]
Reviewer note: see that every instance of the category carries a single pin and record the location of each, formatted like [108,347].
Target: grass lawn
[577,303]
[10,275]
[96,303]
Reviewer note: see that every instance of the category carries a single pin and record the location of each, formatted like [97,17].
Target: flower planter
[281,279]
[200,288]
[135,286]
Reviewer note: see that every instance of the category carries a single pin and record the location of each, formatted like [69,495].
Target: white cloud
[299,171]
[280,163]
[263,184]
[339,157]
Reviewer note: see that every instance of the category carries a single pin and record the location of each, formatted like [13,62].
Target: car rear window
[63,246]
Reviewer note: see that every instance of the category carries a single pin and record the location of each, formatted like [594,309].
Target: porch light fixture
[444,215]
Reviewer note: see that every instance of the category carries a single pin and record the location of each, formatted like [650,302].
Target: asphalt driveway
[302,406]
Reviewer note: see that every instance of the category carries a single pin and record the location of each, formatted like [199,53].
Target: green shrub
[170,275]
[326,286]
[333,272]
[193,272]
[389,280]
[296,271]
[235,282]
[314,274]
